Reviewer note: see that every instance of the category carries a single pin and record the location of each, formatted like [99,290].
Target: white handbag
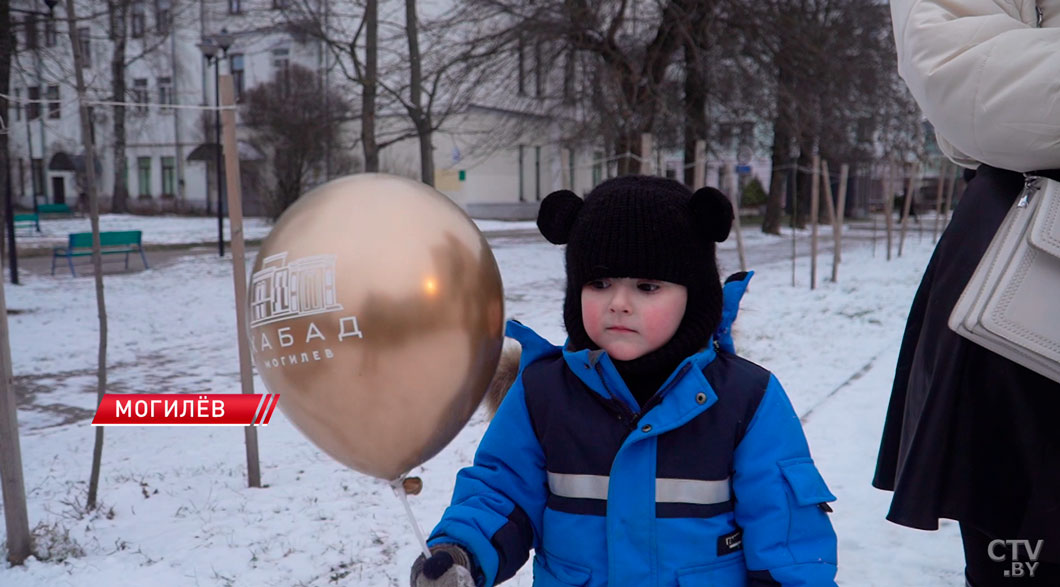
[1011,306]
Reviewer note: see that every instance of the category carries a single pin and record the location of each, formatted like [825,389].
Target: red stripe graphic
[268,416]
[264,397]
[264,409]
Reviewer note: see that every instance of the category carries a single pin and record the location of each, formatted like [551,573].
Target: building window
[570,164]
[235,6]
[143,169]
[280,60]
[169,176]
[537,172]
[520,63]
[92,123]
[54,105]
[163,15]
[51,36]
[31,31]
[280,63]
[522,174]
[726,135]
[18,103]
[86,46]
[238,74]
[138,19]
[33,108]
[37,171]
[747,134]
[568,76]
[539,70]
[165,90]
[139,94]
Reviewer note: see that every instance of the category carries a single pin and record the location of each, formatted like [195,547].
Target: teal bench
[27,221]
[54,209]
[111,243]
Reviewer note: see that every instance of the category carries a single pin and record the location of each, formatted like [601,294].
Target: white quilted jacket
[986,76]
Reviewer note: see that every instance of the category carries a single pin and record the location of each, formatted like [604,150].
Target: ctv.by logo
[1019,568]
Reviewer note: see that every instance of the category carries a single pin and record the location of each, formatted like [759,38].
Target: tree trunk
[97,258]
[119,11]
[423,130]
[783,129]
[371,75]
[804,173]
[695,108]
[627,148]
[777,180]
[420,118]
[12,484]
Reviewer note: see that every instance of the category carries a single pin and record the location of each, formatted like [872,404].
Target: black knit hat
[646,227]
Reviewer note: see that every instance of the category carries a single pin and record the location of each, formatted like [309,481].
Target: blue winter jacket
[711,484]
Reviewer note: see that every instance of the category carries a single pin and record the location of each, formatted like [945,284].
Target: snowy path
[873,552]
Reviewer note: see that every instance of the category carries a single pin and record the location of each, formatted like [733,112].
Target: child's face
[629,317]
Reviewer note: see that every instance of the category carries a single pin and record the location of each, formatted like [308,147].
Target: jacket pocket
[805,482]
[552,572]
[728,573]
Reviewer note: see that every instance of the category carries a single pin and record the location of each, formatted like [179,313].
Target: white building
[170,155]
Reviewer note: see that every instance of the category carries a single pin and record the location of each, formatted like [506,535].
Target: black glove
[449,566]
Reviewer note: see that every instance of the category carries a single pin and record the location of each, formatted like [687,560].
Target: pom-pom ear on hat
[557,214]
[712,212]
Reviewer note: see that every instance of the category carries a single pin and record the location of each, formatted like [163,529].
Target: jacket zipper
[625,415]
[655,399]
[1031,185]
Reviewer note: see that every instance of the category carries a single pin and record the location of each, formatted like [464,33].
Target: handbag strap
[1053,174]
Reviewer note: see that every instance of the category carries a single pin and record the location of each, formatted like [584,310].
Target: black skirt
[970,435]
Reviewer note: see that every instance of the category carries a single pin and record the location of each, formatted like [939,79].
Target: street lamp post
[214,49]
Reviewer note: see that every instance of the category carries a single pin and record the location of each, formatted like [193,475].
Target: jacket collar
[595,369]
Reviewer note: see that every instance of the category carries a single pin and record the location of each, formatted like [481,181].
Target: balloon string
[399,490]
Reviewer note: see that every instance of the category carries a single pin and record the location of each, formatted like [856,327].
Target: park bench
[54,210]
[27,221]
[111,243]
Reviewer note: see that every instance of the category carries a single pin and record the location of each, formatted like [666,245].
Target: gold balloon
[376,312]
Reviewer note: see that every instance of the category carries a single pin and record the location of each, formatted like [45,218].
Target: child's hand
[449,566]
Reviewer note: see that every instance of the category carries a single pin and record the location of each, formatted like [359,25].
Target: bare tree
[12,486]
[421,118]
[420,67]
[119,10]
[292,121]
[830,67]
[369,84]
[623,56]
[119,13]
[97,258]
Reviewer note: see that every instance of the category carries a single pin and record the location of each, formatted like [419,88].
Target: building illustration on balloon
[283,291]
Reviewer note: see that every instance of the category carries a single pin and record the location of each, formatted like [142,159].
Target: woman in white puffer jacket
[969,435]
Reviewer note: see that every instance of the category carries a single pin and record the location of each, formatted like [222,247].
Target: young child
[643,452]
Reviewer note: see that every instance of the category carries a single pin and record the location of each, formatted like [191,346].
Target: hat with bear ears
[645,227]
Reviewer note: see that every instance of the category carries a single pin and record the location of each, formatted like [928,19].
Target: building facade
[170,157]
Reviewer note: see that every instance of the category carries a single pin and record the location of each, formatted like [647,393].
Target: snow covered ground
[175,506]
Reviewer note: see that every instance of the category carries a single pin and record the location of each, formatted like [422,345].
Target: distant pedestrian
[899,207]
